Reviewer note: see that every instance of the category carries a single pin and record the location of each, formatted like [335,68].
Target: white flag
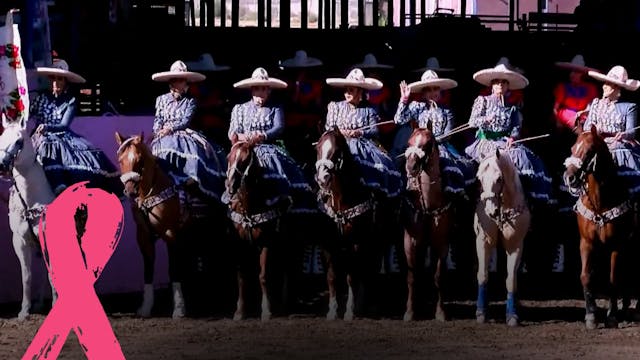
[14,92]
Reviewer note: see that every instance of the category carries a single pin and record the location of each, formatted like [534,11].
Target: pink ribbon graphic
[75,256]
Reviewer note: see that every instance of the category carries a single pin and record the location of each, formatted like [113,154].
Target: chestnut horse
[159,208]
[351,206]
[257,223]
[604,213]
[502,215]
[430,218]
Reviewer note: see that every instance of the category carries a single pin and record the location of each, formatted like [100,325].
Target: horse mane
[511,179]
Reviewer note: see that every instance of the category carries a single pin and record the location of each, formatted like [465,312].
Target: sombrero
[430,78]
[503,70]
[356,78]
[260,77]
[61,68]
[617,75]
[178,71]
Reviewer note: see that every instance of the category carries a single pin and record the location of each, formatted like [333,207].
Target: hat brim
[197,67]
[70,76]
[373,66]
[574,67]
[291,63]
[443,84]
[630,84]
[434,69]
[271,82]
[190,76]
[368,84]
[516,81]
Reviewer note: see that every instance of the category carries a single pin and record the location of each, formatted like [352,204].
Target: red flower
[19,105]
[12,114]
[16,51]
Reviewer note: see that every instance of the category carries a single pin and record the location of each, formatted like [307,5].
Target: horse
[502,215]
[257,223]
[431,217]
[604,213]
[29,195]
[351,207]
[159,208]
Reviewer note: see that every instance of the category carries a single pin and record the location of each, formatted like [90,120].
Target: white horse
[502,215]
[30,193]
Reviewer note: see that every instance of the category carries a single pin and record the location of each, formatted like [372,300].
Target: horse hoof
[23,315]
[481,318]
[265,316]
[440,315]
[332,315]
[611,323]
[408,316]
[348,316]
[143,312]
[238,316]
[178,313]
[512,321]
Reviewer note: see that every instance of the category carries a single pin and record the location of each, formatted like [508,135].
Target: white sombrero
[61,68]
[617,75]
[178,71]
[430,78]
[576,64]
[356,78]
[370,62]
[300,60]
[260,77]
[503,70]
[206,63]
[433,64]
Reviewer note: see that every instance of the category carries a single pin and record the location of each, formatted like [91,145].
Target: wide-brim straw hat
[504,71]
[370,62]
[433,64]
[61,68]
[205,63]
[576,64]
[260,77]
[300,60]
[617,75]
[178,71]
[356,78]
[430,78]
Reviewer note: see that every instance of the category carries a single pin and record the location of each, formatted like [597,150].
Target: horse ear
[119,138]
[594,131]
[430,126]
[498,153]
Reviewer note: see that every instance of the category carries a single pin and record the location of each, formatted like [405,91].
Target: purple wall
[123,273]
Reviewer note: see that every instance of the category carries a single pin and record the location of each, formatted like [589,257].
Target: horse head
[16,150]
[589,155]
[498,179]
[134,159]
[332,151]
[242,166]
[421,150]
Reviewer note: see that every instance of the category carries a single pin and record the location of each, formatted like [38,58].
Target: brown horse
[351,206]
[431,217]
[157,211]
[256,222]
[604,213]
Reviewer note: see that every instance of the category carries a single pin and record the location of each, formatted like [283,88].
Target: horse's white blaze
[131,156]
[323,171]
[579,145]
[326,148]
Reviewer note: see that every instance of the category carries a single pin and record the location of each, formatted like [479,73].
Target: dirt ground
[549,330]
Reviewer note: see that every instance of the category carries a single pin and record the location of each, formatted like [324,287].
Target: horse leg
[265,304]
[331,284]
[25,255]
[175,275]
[350,307]
[439,258]
[514,254]
[612,312]
[484,246]
[242,248]
[585,278]
[410,254]
[148,249]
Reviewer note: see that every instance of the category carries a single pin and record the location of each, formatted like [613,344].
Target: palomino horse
[604,213]
[502,215]
[431,217]
[30,193]
[157,211]
[351,206]
[257,223]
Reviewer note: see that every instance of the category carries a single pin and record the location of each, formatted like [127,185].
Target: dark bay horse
[353,250]
[257,223]
[430,217]
[159,208]
[604,213]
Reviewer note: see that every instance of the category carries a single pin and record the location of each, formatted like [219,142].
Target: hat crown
[300,57]
[504,63]
[60,64]
[619,73]
[356,75]
[370,59]
[178,66]
[207,59]
[429,75]
[260,74]
[433,63]
[578,60]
